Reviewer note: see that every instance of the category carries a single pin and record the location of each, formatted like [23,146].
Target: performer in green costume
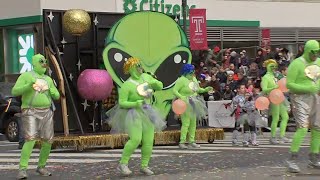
[303,83]
[187,89]
[269,83]
[135,116]
[37,91]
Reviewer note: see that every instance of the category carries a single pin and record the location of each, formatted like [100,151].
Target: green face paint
[160,44]
[272,67]
[311,50]
[39,64]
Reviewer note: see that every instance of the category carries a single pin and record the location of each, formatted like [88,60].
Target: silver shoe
[146,171]
[274,141]
[22,174]
[254,139]
[314,161]
[183,146]
[284,140]
[194,145]
[124,169]
[292,164]
[235,142]
[43,172]
[245,144]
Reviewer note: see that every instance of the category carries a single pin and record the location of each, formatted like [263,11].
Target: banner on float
[198,29]
[219,114]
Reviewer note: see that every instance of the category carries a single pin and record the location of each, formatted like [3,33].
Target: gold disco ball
[76,21]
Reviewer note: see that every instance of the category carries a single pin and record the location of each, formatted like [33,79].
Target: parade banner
[265,38]
[198,29]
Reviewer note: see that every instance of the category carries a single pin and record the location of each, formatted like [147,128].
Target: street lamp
[184,11]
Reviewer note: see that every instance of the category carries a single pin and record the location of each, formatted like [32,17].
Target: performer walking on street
[269,83]
[303,83]
[187,88]
[37,91]
[135,116]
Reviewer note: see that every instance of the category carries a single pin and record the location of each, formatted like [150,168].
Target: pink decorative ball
[95,84]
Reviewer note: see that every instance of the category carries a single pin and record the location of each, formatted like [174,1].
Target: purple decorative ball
[95,84]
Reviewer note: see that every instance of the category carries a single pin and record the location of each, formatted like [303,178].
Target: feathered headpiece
[269,61]
[131,62]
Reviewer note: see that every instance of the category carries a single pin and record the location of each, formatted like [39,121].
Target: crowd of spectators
[226,69]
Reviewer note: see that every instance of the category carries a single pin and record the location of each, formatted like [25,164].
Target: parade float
[88,48]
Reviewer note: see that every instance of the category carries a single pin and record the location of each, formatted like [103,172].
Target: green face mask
[190,75]
[39,64]
[272,67]
[136,71]
[311,50]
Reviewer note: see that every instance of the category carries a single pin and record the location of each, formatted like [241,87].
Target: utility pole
[184,11]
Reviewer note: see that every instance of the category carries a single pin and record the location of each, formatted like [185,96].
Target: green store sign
[130,6]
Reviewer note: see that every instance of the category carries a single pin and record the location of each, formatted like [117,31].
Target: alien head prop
[157,41]
[154,38]
[311,50]
[39,64]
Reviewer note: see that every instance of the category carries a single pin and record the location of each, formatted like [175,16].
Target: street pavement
[219,160]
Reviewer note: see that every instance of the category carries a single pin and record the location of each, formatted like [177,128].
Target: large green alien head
[154,38]
[311,50]
[39,64]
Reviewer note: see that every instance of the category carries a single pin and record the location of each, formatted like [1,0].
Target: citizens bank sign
[154,5]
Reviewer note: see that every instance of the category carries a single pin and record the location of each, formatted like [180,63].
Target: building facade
[231,23]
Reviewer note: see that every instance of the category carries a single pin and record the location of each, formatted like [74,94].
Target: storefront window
[19,49]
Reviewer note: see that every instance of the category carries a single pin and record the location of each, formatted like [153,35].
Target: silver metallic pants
[306,110]
[37,124]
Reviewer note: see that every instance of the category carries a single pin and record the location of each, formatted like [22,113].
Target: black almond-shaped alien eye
[117,58]
[169,71]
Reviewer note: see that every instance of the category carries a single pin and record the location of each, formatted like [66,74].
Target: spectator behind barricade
[285,56]
[232,67]
[233,57]
[214,57]
[230,81]
[260,58]
[282,72]
[228,93]
[221,75]
[214,83]
[226,60]
[253,71]
[199,69]
[269,54]
[244,70]
[300,51]
[241,79]
[244,59]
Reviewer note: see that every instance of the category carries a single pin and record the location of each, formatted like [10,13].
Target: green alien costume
[37,91]
[135,116]
[303,84]
[160,44]
[187,88]
[269,83]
